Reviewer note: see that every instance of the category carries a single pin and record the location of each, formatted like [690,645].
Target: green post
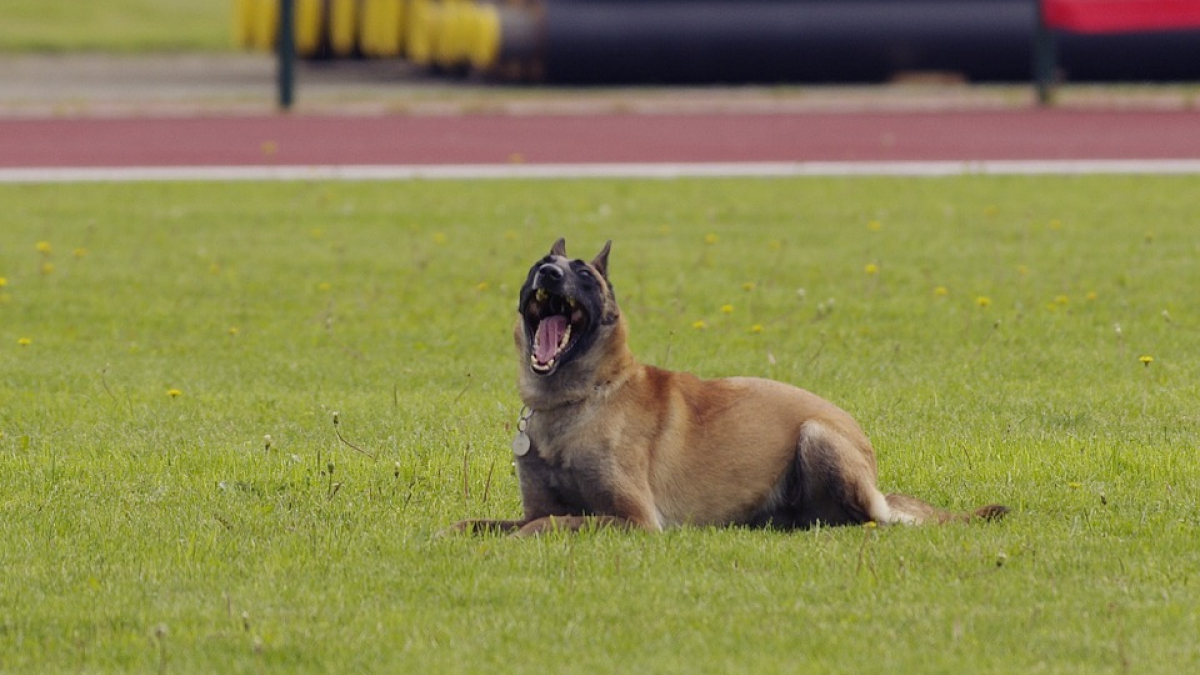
[1045,58]
[287,53]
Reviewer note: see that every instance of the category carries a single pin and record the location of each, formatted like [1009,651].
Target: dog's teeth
[541,295]
[571,301]
[540,367]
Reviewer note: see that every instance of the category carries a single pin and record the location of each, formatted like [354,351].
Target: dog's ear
[559,247]
[601,260]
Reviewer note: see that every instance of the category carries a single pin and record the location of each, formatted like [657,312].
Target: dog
[605,441]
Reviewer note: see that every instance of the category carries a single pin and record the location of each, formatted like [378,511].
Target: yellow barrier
[343,26]
[450,33]
[419,39]
[368,24]
[265,24]
[449,38]
[391,28]
[243,23]
[310,19]
[380,30]
[484,47]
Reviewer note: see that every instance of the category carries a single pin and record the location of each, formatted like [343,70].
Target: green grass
[145,532]
[119,26]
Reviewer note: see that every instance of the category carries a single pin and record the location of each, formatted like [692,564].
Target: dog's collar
[560,406]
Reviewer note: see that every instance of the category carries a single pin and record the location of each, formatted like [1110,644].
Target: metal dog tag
[520,444]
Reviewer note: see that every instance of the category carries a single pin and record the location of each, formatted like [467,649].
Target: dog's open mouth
[554,324]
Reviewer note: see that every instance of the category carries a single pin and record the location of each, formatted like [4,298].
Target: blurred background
[736,41]
[590,42]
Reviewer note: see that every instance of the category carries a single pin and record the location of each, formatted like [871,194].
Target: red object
[1121,16]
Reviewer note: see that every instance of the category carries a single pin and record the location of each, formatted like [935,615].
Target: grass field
[152,338]
[115,25]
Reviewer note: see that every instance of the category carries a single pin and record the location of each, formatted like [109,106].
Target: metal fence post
[1045,57]
[287,53]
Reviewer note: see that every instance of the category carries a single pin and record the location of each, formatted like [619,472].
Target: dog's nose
[550,273]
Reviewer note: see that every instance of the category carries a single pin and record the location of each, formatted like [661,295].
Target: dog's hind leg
[836,477]
[833,481]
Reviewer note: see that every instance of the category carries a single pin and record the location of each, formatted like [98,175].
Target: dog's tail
[913,511]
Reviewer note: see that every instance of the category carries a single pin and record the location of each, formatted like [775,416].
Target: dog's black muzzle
[549,276]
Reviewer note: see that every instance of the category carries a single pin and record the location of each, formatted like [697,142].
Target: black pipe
[835,40]
[704,41]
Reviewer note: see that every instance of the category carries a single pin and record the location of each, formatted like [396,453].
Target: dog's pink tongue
[549,333]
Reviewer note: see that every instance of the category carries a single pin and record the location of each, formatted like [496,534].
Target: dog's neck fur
[580,380]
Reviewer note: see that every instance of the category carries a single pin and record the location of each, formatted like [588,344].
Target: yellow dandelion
[1146,360]
[1022,270]
[47,268]
[711,239]
[941,291]
[748,286]
[1054,224]
[983,301]
[174,393]
[439,238]
[24,342]
[1092,295]
[756,328]
[324,286]
[871,269]
[233,330]
[79,252]
[317,233]
[3,282]
[1074,485]
[1061,300]
[481,286]
[874,226]
[43,247]
[699,324]
[727,309]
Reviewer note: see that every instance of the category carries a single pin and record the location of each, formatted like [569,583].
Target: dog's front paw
[551,524]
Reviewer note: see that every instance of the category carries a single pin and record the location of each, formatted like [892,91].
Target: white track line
[567,171]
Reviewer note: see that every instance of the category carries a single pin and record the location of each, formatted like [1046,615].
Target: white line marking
[626,170]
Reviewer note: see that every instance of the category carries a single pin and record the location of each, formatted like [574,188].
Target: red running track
[537,139]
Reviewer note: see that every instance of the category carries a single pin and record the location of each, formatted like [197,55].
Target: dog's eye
[585,273]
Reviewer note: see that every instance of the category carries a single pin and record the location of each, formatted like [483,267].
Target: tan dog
[605,440]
